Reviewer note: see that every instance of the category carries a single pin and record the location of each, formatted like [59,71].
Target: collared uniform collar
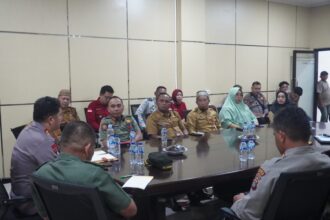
[298,150]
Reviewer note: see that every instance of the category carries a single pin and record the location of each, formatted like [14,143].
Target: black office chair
[7,204]
[70,201]
[17,130]
[185,113]
[134,108]
[300,195]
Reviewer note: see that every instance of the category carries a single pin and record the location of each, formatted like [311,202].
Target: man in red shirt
[98,109]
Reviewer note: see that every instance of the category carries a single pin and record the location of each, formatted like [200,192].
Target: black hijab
[277,106]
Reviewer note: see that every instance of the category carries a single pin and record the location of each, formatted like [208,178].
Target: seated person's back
[203,118]
[291,131]
[73,166]
[33,147]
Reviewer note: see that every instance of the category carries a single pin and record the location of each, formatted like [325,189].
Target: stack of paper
[140,182]
[100,156]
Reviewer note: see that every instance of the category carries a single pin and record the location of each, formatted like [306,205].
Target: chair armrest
[228,214]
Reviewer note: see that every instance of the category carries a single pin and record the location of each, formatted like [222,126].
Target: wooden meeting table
[211,160]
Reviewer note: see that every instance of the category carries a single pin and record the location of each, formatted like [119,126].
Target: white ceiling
[304,3]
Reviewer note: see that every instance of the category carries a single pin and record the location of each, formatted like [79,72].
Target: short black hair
[160,87]
[77,134]
[45,107]
[324,73]
[298,90]
[115,97]
[256,83]
[163,93]
[105,89]
[294,122]
[283,83]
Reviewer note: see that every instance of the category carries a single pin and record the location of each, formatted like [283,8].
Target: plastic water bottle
[116,150]
[251,145]
[110,136]
[245,130]
[132,135]
[243,151]
[140,153]
[252,129]
[164,137]
[132,160]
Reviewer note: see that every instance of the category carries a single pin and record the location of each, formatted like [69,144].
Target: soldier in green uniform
[165,118]
[121,124]
[73,166]
[203,118]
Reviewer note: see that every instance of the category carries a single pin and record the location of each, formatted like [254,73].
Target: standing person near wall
[323,96]
[99,108]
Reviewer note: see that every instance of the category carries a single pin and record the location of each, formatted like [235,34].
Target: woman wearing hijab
[234,112]
[280,102]
[178,105]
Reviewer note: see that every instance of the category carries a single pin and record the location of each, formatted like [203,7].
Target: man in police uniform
[34,146]
[291,131]
[148,106]
[98,109]
[121,124]
[165,118]
[257,103]
[202,118]
[68,113]
[73,166]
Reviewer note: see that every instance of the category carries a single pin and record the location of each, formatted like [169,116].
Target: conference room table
[210,160]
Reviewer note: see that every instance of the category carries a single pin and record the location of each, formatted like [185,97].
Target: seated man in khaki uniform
[68,113]
[202,118]
[73,166]
[122,125]
[165,118]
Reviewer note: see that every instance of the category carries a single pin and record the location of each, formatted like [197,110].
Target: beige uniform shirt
[202,121]
[324,91]
[171,120]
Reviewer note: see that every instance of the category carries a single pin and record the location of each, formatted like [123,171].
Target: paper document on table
[102,156]
[139,182]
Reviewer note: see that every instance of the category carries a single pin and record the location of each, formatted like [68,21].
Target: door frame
[294,76]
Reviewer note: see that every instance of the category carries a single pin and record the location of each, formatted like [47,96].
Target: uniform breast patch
[257,178]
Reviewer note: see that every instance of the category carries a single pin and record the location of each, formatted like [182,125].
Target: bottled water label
[164,137]
[243,151]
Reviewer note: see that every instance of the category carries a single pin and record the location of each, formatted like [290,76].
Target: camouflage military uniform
[172,121]
[121,127]
[202,121]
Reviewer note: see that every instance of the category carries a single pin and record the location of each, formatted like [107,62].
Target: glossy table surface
[210,160]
